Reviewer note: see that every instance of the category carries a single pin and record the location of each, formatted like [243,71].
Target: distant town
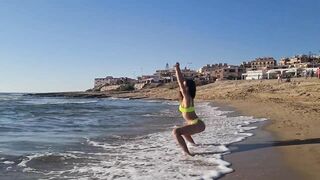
[259,68]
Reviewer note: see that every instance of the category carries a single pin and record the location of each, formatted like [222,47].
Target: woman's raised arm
[180,79]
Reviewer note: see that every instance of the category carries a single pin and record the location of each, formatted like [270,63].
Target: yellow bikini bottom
[193,122]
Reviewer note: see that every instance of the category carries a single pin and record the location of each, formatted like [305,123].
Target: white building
[109,80]
[102,81]
[252,75]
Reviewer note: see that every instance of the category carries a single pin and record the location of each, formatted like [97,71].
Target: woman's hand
[177,65]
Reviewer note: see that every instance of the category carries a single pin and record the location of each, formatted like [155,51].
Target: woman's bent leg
[187,130]
[178,136]
[189,138]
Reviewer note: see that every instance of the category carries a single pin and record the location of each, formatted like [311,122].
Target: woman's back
[188,103]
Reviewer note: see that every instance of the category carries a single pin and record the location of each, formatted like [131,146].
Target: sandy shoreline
[257,157]
[295,135]
[293,108]
[294,111]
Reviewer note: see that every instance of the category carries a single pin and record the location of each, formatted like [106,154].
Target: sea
[109,138]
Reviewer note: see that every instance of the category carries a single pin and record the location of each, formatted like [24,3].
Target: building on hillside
[273,73]
[109,80]
[295,60]
[228,72]
[102,81]
[149,79]
[265,62]
[246,65]
[189,73]
[301,61]
[298,59]
[209,68]
[260,63]
[254,75]
[285,61]
[169,74]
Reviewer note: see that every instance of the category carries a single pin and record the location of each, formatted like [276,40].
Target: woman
[193,123]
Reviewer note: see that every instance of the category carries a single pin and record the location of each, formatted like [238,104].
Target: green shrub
[126,87]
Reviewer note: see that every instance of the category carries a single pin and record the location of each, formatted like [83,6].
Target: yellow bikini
[192,122]
[188,110]
[185,110]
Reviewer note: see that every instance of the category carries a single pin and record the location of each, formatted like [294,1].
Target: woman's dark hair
[191,88]
[191,85]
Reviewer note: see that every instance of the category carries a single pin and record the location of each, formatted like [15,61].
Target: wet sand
[258,156]
[296,135]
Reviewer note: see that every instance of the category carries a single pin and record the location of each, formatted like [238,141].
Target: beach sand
[297,134]
[258,157]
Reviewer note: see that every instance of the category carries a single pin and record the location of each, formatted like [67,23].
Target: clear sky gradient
[58,45]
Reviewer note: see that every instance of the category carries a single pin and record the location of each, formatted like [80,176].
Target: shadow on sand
[240,147]
[243,146]
[206,153]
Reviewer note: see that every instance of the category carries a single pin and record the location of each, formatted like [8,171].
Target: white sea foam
[157,156]
[27,159]
[150,100]
[10,97]
[24,162]
[117,99]
[42,101]
[7,162]
[150,115]
[170,102]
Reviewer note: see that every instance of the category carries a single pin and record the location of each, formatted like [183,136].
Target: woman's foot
[192,144]
[188,154]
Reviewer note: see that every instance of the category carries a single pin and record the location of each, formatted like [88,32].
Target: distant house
[260,63]
[230,72]
[147,79]
[264,62]
[188,73]
[300,61]
[102,81]
[284,61]
[254,75]
[165,72]
[220,71]
[109,80]
[209,68]
[169,74]
[272,73]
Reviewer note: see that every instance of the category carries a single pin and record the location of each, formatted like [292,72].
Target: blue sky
[57,45]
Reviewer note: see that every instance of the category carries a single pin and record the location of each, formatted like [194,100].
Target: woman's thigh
[192,129]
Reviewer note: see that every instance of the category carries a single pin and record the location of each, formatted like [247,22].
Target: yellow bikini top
[185,110]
